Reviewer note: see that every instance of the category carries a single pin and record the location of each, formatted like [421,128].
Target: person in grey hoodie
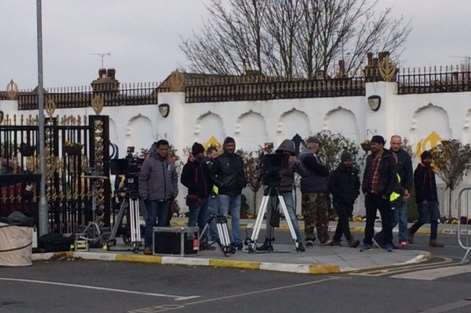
[158,186]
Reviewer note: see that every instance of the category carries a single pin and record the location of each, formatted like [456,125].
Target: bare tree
[292,38]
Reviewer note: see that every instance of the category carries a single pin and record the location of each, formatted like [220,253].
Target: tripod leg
[258,223]
[118,221]
[132,225]
[288,220]
[138,221]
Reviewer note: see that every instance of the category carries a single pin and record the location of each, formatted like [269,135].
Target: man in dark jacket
[285,189]
[195,177]
[315,194]
[379,181]
[426,198]
[158,185]
[405,180]
[229,177]
[344,185]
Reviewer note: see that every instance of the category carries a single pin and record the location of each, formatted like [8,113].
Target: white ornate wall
[253,123]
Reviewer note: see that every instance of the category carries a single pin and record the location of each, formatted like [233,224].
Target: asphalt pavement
[94,286]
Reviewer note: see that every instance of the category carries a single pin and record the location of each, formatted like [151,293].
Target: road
[90,286]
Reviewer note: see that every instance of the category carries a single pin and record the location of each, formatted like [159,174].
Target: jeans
[374,203]
[343,226]
[155,210]
[213,211]
[232,204]
[428,213]
[199,215]
[272,205]
[399,216]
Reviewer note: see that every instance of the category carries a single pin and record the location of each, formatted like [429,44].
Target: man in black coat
[344,185]
[404,188]
[229,176]
[426,198]
[379,181]
[196,177]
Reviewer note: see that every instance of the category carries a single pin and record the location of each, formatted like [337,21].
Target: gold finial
[50,107]
[97,103]
[387,69]
[12,90]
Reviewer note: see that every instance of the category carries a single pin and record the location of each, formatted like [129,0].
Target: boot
[435,244]
[352,243]
[148,251]
[300,247]
[310,242]
[267,246]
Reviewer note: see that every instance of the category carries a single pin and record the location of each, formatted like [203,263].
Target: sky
[143,37]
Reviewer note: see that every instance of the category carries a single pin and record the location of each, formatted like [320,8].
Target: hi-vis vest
[215,190]
[394,195]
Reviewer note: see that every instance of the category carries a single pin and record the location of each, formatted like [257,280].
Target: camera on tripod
[272,165]
[129,167]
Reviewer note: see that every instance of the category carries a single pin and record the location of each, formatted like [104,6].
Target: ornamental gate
[75,147]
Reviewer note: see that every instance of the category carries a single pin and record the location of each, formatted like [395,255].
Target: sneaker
[403,244]
[239,246]
[148,251]
[353,243]
[365,247]
[388,247]
[267,246]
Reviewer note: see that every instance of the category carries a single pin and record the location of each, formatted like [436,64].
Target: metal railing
[434,80]
[464,221]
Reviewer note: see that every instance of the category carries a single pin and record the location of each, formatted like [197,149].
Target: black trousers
[373,203]
[343,225]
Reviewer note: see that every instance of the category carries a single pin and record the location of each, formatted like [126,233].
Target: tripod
[270,193]
[223,234]
[132,204]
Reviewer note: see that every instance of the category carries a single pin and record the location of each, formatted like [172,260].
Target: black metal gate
[76,147]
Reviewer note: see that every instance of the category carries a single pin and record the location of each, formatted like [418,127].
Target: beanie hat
[229,140]
[426,155]
[346,156]
[197,148]
[378,139]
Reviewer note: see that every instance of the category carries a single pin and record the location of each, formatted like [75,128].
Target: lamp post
[43,209]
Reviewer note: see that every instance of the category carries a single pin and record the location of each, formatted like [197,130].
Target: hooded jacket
[158,179]
[287,174]
[425,184]
[344,184]
[195,177]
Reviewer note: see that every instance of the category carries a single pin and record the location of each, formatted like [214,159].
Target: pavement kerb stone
[315,268]
[136,258]
[423,257]
[241,264]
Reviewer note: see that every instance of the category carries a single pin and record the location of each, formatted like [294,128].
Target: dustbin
[15,245]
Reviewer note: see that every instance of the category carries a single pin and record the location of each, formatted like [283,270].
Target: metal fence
[81,97]
[267,88]
[75,147]
[434,80]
